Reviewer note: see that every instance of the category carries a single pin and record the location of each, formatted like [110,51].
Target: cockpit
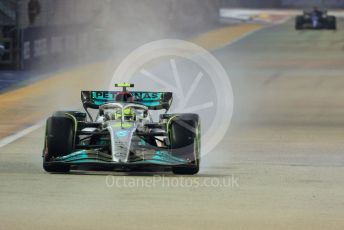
[130,112]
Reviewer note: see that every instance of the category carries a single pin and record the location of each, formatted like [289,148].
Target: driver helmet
[129,114]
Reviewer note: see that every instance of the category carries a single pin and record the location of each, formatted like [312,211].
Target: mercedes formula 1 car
[315,19]
[122,135]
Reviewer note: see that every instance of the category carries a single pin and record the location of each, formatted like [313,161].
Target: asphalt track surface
[283,154]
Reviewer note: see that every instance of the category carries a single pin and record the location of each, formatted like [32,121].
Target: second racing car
[315,19]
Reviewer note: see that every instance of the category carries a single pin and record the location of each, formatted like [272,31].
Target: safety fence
[46,46]
[50,32]
[6,51]
[312,3]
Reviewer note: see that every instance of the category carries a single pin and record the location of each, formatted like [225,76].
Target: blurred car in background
[315,19]
[2,49]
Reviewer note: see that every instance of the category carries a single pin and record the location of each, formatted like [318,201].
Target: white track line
[8,140]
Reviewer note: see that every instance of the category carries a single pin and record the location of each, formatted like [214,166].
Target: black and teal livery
[153,100]
[123,135]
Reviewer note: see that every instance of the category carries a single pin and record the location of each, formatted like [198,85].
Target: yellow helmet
[129,114]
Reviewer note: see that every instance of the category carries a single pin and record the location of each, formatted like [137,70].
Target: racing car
[315,19]
[117,132]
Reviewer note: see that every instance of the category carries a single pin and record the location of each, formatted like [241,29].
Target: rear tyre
[78,115]
[299,23]
[184,131]
[332,22]
[59,141]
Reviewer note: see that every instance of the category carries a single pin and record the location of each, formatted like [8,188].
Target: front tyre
[332,22]
[59,141]
[184,133]
[299,23]
[186,170]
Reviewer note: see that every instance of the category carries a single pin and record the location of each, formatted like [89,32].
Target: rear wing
[153,100]
[310,11]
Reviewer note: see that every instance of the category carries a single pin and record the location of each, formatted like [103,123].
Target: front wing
[97,158]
